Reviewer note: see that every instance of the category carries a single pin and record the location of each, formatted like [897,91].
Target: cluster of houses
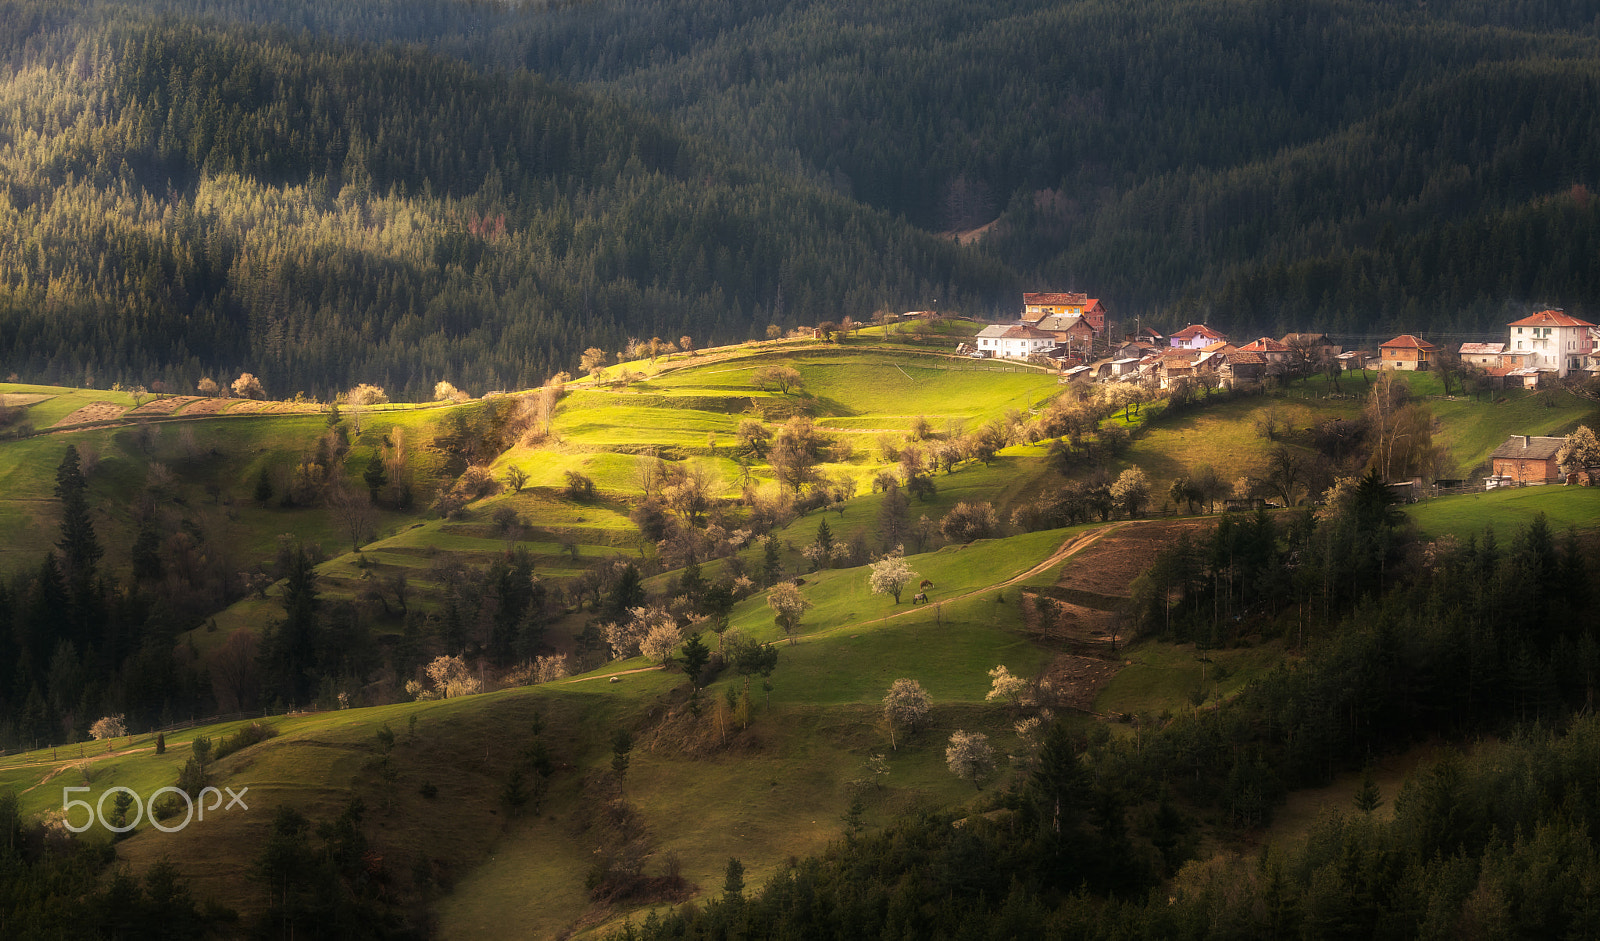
[1070,331]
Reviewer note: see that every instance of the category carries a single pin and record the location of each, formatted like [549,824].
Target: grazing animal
[926,583]
[920,597]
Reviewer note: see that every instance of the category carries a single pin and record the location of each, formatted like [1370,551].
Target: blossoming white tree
[108,727]
[662,640]
[891,574]
[905,706]
[449,678]
[1013,689]
[969,757]
[627,637]
[788,605]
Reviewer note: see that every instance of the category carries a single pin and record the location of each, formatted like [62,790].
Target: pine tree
[1368,797]
[79,547]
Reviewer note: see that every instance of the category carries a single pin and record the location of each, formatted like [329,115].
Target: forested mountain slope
[1193,159]
[184,200]
[679,166]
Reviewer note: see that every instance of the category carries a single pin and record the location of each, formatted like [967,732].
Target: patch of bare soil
[93,412]
[1111,564]
[163,406]
[22,399]
[288,408]
[1078,680]
[1082,613]
[208,406]
[247,406]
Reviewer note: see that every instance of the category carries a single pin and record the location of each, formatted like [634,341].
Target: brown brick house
[1406,352]
[1527,459]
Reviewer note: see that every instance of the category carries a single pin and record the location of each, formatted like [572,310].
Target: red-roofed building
[1196,336]
[1558,342]
[1406,352]
[1274,352]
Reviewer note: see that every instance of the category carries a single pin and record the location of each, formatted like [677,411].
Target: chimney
[1527,441]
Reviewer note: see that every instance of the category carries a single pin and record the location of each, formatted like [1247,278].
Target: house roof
[1529,447]
[1550,318]
[1406,341]
[1197,330]
[1482,349]
[1243,358]
[1221,346]
[1013,332]
[1264,345]
[1042,299]
[1063,323]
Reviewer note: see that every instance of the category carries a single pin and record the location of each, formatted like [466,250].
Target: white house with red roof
[1196,336]
[1013,341]
[1558,342]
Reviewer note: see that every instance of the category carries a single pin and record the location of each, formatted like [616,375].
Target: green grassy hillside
[777,789]
[763,780]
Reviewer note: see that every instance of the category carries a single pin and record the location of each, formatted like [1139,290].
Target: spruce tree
[79,547]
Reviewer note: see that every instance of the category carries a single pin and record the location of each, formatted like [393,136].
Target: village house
[1272,351]
[1525,460]
[1354,359]
[1132,350]
[1069,330]
[1038,306]
[1559,343]
[1406,352]
[1148,335]
[1170,366]
[1212,357]
[1313,347]
[1487,355]
[1240,366]
[1196,336]
[1013,341]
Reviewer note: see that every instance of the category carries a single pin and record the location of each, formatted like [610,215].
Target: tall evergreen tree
[288,653]
[79,546]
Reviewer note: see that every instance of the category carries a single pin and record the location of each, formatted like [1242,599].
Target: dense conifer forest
[325,194]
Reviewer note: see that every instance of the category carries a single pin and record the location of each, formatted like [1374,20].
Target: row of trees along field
[1449,638]
[187,201]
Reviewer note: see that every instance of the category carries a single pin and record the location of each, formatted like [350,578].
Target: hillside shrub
[253,734]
